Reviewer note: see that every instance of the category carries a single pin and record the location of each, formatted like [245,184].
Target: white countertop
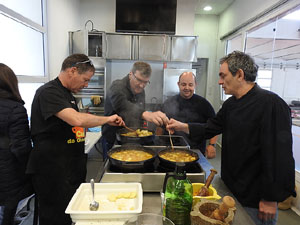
[91,139]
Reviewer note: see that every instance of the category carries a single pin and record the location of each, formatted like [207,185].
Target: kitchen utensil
[171,164]
[131,130]
[219,214]
[93,205]
[201,213]
[213,194]
[204,189]
[148,219]
[172,146]
[140,140]
[127,166]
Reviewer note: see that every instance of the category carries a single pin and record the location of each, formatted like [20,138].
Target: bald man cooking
[190,107]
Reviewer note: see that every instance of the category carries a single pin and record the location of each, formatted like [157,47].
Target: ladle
[93,205]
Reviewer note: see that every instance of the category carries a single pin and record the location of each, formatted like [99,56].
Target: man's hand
[210,152]
[158,117]
[267,210]
[115,120]
[175,125]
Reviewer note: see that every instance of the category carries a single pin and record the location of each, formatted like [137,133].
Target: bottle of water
[179,197]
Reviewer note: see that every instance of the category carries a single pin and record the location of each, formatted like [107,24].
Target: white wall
[241,11]
[185,17]
[101,12]
[71,15]
[206,28]
[63,16]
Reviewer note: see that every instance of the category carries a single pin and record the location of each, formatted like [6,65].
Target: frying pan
[171,164]
[124,165]
[139,140]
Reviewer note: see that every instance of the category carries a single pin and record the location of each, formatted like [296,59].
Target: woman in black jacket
[15,146]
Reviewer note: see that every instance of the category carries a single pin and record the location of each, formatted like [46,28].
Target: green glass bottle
[179,197]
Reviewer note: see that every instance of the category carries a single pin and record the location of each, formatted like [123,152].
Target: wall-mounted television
[146,16]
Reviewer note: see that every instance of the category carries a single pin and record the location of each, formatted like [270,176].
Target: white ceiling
[218,6]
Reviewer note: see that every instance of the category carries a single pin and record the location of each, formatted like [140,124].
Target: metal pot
[171,164]
[125,165]
[139,140]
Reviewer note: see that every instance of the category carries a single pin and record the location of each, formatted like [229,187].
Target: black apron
[61,164]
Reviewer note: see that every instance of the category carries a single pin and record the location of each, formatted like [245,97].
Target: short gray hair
[240,60]
[143,67]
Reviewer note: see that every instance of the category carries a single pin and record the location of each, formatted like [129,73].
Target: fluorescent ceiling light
[293,16]
[207,8]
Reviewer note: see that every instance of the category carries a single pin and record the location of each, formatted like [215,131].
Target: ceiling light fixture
[207,8]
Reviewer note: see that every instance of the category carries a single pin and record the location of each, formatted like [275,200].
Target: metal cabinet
[184,48]
[91,43]
[119,46]
[153,47]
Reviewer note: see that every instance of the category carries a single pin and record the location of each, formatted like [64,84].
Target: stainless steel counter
[152,201]
[152,204]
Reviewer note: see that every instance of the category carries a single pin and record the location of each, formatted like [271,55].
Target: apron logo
[79,131]
[80,135]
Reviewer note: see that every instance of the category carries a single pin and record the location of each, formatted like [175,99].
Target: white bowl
[78,207]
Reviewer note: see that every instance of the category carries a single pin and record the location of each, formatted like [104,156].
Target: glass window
[275,46]
[21,48]
[27,91]
[233,44]
[31,9]
[22,44]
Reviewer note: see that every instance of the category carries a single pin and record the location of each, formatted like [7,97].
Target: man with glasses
[57,161]
[126,97]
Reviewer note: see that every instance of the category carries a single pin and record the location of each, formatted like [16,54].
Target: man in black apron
[58,161]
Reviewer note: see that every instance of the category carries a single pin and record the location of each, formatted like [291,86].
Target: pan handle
[133,163]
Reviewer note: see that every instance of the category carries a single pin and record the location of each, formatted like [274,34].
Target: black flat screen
[146,16]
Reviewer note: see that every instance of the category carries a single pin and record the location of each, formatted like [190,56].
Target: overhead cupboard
[128,46]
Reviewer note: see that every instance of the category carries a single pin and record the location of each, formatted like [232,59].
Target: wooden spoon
[132,130]
[172,146]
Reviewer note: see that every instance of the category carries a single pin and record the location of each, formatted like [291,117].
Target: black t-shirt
[194,110]
[56,143]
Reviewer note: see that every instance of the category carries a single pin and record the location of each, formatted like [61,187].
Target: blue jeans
[253,213]
[1,213]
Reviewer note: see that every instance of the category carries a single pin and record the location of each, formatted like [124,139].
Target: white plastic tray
[78,207]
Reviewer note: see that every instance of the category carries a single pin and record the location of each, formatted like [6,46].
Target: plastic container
[213,195]
[123,206]
[149,219]
[178,197]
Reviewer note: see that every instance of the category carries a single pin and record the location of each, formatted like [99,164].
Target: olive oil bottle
[178,197]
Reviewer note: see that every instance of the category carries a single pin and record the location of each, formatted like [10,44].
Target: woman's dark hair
[240,60]
[81,61]
[9,83]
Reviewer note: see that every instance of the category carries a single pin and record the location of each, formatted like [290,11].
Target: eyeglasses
[141,81]
[84,62]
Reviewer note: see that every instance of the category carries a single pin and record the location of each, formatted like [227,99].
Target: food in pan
[138,133]
[177,156]
[131,155]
